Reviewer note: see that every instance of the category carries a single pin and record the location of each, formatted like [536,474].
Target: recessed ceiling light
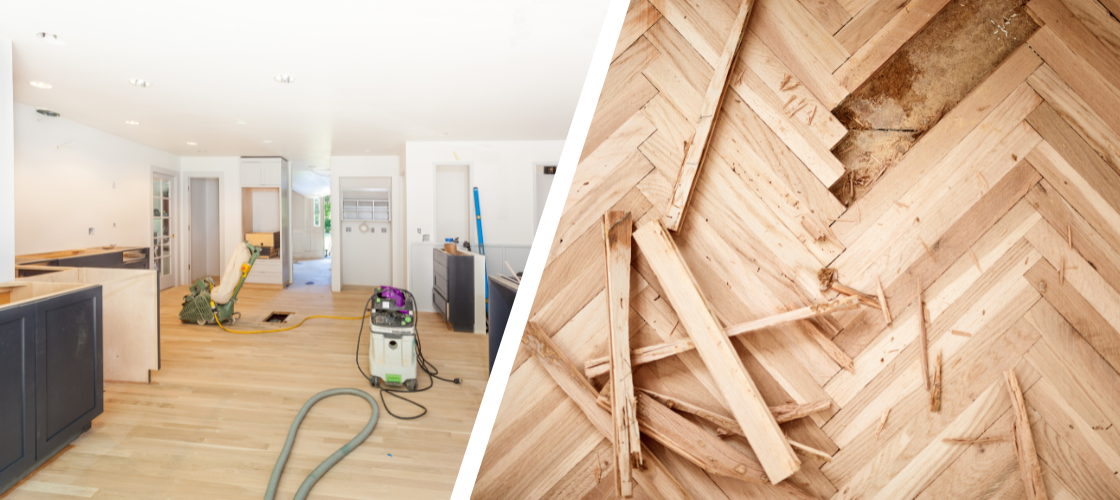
[267,141]
[139,83]
[283,78]
[50,38]
[192,143]
[42,85]
[132,122]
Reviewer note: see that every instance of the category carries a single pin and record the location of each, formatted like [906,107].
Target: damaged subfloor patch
[925,79]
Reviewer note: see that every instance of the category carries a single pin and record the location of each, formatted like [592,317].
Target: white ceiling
[369,74]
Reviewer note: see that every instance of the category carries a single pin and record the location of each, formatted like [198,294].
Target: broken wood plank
[654,478]
[725,425]
[717,352]
[627,450]
[1024,443]
[709,113]
[689,440]
[599,366]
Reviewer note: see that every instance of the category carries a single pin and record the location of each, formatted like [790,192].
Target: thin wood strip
[643,355]
[782,413]
[935,396]
[709,113]
[715,349]
[627,450]
[1024,443]
[654,478]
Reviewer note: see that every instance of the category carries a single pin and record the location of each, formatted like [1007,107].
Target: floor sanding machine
[392,346]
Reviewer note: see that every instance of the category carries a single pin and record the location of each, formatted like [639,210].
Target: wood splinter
[883,300]
[1024,442]
[935,396]
[882,423]
[709,114]
[922,337]
[627,440]
[978,441]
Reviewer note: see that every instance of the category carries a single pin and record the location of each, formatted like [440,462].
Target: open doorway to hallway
[311,235]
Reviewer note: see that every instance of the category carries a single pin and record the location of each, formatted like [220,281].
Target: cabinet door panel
[69,364]
[250,174]
[270,173]
[17,392]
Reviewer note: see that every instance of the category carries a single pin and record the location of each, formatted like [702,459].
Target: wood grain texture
[1029,469]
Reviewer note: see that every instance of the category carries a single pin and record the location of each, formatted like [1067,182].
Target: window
[317,211]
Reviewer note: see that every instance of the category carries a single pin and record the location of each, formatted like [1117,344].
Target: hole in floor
[278,317]
[920,83]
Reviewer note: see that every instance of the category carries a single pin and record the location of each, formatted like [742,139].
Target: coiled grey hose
[308,483]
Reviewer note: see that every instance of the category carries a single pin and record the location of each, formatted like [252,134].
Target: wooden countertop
[65,254]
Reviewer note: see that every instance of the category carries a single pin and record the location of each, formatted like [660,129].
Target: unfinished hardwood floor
[212,422]
[1005,214]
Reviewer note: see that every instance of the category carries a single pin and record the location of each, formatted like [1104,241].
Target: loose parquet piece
[598,366]
[715,349]
[654,478]
[1024,443]
[628,454]
[709,113]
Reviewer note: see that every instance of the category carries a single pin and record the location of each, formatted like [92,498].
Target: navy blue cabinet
[50,377]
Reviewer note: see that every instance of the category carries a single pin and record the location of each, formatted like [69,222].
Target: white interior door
[163,255]
[202,228]
[453,203]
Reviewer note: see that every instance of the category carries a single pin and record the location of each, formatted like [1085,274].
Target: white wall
[503,173]
[228,171]
[72,177]
[368,166]
[7,166]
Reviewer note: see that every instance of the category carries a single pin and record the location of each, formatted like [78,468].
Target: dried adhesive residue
[922,82]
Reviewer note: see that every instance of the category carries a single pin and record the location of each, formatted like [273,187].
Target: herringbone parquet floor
[1006,213]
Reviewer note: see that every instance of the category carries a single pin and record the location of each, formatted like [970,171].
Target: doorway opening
[203,229]
[310,219]
[453,203]
[366,237]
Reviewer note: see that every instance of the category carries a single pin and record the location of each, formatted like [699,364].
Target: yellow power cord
[245,271]
[297,325]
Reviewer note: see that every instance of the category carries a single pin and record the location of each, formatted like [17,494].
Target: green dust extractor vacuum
[205,303]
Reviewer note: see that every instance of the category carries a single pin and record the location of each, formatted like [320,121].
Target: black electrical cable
[425,366]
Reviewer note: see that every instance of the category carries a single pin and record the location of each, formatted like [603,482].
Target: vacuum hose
[322,469]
